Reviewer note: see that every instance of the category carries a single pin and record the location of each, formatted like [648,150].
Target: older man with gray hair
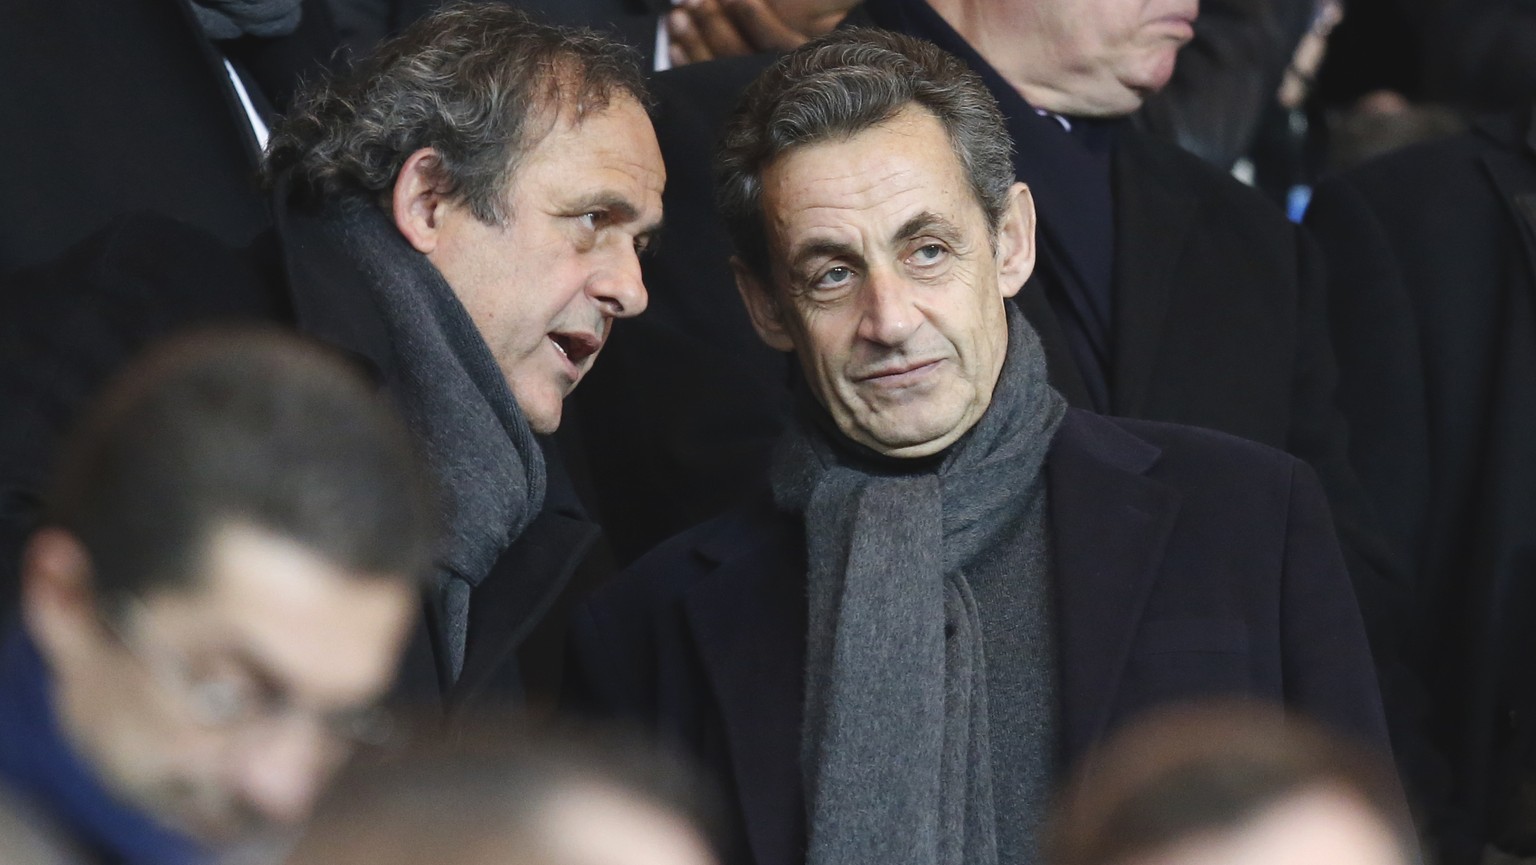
[958,583]
[463,212]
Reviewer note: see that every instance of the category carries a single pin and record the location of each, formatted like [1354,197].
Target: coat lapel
[1110,524]
[748,621]
[1152,221]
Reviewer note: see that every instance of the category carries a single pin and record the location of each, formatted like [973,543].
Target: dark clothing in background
[1227,76]
[1188,564]
[1481,53]
[361,24]
[1432,255]
[115,107]
[66,328]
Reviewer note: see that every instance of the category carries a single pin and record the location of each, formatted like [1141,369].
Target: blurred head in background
[1230,783]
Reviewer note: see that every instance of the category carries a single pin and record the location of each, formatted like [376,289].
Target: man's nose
[888,315]
[282,772]
[616,285]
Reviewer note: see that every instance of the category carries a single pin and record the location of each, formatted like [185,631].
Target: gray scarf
[896,752]
[231,19]
[457,401]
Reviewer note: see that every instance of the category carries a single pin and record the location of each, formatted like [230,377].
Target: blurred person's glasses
[233,700]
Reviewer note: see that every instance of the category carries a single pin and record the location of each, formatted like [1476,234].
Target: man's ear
[1016,241]
[58,599]
[419,201]
[762,306]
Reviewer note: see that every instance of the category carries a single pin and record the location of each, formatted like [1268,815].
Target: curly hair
[479,83]
[839,85]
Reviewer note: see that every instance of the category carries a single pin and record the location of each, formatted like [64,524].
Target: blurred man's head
[867,182]
[1230,785]
[1088,58]
[518,158]
[509,796]
[225,576]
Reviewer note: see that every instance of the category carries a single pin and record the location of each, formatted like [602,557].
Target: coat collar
[1110,523]
[1152,222]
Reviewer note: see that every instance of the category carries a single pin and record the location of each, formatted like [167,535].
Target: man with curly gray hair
[483,184]
[463,211]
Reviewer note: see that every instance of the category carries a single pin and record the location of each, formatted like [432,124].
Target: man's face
[887,282]
[544,287]
[1095,58]
[218,709]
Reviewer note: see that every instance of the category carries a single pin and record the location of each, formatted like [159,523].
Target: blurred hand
[708,29]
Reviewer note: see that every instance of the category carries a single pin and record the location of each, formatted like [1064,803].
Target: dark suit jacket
[1188,564]
[72,324]
[109,108]
[1432,254]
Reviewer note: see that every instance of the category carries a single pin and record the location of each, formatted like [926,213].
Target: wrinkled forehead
[876,180]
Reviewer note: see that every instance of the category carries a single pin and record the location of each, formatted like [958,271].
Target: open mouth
[575,346]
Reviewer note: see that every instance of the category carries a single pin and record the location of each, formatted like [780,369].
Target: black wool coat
[1432,258]
[1188,564]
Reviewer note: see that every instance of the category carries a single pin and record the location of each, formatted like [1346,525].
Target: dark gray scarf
[896,753]
[457,401]
[231,19]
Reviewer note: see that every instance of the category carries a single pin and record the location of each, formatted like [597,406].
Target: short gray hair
[839,85]
[464,81]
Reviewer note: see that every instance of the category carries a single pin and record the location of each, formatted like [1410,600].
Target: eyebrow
[622,208]
[923,223]
[926,222]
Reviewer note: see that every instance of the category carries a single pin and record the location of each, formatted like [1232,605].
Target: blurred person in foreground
[219,594]
[1230,784]
[508,794]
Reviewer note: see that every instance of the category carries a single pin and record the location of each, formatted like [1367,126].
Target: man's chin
[544,422]
[542,409]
